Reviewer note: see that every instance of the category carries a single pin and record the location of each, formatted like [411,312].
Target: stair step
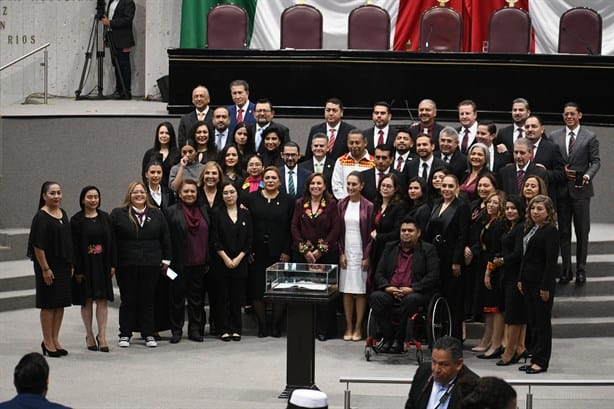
[594,286]
[13,243]
[17,300]
[583,327]
[584,306]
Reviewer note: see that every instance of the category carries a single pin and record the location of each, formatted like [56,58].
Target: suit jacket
[121,24]
[366,226]
[448,232]
[30,400]
[424,267]
[370,187]
[412,169]
[248,117]
[388,228]
[232,238]
[457,165]
[285,135]
[326,226]
[179,233]
[415,129]
[584,159]
[539,262]
[301,176]
[141,246]
[168,198]
[501,159]
[422,385]
[341,140]
[507,176]
[549,155]
[370,132]
[506,137]
[329,165]
[186,123]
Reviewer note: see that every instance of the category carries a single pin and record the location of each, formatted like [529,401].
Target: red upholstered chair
[441,29]
[227,27]
[301,27]
[509,31]
[369,28]
[580,31]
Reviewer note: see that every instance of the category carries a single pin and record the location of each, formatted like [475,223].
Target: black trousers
[230,297]
[137,286]
[188,285]
[383,303]
[539,324]
[579,211]
[122,67]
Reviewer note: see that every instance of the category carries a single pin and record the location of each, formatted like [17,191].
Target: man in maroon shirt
[407,275]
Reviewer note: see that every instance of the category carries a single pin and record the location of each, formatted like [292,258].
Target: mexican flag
[264,21]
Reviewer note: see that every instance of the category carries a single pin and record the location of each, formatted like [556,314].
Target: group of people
[403,211]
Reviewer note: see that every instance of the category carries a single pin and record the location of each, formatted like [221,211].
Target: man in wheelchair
[406,275]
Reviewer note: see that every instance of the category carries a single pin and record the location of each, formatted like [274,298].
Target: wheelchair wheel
[439,320]
[368,353]
[372,328]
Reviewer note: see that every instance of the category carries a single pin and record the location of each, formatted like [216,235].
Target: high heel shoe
[91,347]
[523,356]
[51,354]
[100,347]
[480,349]
[498,352]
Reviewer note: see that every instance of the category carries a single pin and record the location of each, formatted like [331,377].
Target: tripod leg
[88,56]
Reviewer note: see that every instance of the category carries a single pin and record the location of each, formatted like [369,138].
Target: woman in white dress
[355,244]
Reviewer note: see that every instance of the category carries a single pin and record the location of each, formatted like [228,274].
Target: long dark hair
[307,194]
[222,159]
[45,189]
[211,148]
[84,191]
[172,143]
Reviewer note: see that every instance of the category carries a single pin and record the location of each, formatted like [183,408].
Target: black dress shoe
[523,368]
[62,352]
[497,354]
[236,336]
[565,279]
[225,337]
[530,370]
[580,278]
[196,338]
[321,337]
[175,338]
[396,347]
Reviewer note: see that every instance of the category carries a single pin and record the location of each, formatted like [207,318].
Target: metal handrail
[45,59]
[519,382]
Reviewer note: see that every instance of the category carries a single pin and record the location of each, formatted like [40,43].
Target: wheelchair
[432,321]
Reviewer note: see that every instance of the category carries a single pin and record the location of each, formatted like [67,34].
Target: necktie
[519,179]
[331,140]
[258,138]
[318,167]
[446,158]
[240,115]
[380,140]
[141,217]
[291,189]
[219,140]
[201,115]
[520,133]
[425,171]
[380,176]
[399,167]
[572,141]
[465,141]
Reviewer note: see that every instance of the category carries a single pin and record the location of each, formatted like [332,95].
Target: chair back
[369,28]
[441,29]
[509,31]
[227,27]
[301,27]
[580,31]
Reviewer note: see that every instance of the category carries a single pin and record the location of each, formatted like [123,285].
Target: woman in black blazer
[447,230]
[143,254]
[189,228]
[537,278]
[388,211]
[232,240]
[420,208]
[164,151]
[157,192]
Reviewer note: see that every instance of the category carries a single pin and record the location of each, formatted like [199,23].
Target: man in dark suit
[383,166]
[468,118]
[424,167]
[221,123]
[243,109]
[403,144]
[548,155]
[292,177]
[512,176]
[443,381]
[407,274]
[381,132]
[427,112]
[580,150]
[31,379]
[118,20]
[265,113]
[508,135]
[320,161]
[201,112]
[455,161]
[334,128]
[486,133]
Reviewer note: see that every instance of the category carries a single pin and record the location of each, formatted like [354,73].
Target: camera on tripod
[100,9]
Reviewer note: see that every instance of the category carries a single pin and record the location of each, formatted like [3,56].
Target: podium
[302,287]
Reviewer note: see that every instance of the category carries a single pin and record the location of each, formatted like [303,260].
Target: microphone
[580,39]
[428,37]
